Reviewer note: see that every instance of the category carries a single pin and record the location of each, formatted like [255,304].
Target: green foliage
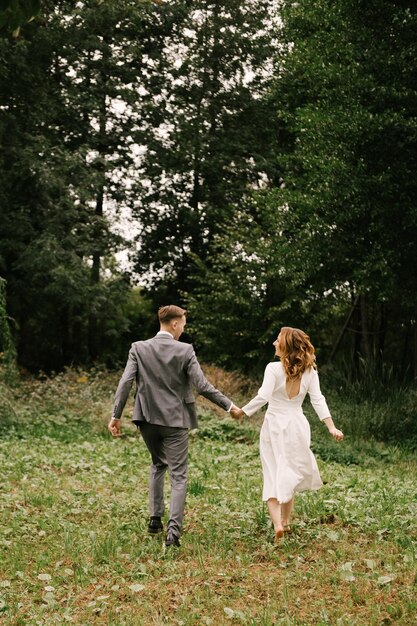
[267,159]
[128,317]
[255,289]
[333,234]
[227,430]
[16,13]
[349,175]
[66,160]
[348,181]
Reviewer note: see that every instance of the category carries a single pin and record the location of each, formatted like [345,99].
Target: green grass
[74,547]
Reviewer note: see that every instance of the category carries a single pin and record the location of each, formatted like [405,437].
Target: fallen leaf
[136,587]
[384,580]
[332,535]
[346,572]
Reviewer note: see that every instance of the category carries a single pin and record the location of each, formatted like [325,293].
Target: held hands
[115,427]
[236,413]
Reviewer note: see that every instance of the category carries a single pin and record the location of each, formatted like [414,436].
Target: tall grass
[373,402]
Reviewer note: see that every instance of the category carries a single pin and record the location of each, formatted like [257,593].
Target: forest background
[254,162]
[257,161]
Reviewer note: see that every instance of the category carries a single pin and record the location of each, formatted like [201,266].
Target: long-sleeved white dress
[288,464]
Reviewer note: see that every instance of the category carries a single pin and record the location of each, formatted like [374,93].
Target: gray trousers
[169,449]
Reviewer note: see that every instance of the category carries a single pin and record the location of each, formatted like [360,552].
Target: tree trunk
[93,338]
[357,340]
[196,235]
[366,343]
[415,351]
[405,360]
[342,332]
[382,330]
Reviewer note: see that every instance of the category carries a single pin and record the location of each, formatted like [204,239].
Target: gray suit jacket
[165,371]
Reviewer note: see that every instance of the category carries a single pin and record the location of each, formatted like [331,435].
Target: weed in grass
[195,487]
[104,549]
[261,518]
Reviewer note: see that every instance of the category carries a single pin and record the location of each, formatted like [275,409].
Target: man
[165,371]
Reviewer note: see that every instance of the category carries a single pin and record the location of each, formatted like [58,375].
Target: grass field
[74,547]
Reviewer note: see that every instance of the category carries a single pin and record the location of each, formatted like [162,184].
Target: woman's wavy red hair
[297,352]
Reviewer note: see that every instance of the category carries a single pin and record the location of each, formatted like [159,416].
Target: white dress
[288,464]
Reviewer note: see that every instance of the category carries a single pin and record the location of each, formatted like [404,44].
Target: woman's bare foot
[279,533]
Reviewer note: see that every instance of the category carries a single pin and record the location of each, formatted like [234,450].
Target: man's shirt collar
[164,333]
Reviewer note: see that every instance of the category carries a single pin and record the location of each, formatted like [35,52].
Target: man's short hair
[170,312]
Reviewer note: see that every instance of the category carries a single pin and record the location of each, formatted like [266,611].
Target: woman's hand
[336,434]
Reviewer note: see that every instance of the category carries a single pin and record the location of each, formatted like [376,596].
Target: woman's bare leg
[274,508]
[286,510]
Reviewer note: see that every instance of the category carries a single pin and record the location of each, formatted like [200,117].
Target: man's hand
[115,427]
[236,413]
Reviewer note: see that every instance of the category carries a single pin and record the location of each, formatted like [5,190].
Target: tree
[204,132]
[68,105]
[350,98]
[334,236]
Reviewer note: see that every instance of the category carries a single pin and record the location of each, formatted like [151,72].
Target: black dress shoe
[172,540]
[155,525]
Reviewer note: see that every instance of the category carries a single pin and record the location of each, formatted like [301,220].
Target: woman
[288,464]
